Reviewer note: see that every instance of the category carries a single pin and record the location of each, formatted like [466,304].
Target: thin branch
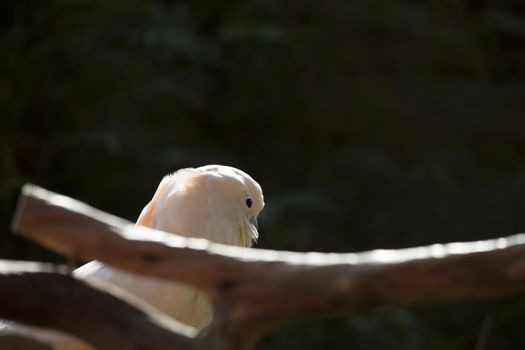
[486,325]
[99,314]
[253,290]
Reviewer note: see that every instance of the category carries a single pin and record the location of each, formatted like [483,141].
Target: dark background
[369,124]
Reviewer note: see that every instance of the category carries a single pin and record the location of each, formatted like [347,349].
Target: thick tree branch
[33,294]
[255,289]
[17,342]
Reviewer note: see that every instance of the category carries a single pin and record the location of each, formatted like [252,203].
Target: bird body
[181,302]
[215,202]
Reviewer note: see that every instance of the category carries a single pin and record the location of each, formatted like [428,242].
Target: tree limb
[18,342]
[32,293]
[253,290]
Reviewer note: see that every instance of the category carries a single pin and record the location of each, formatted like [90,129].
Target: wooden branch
[40,295]
[253,290]
[21,342]
[16,342]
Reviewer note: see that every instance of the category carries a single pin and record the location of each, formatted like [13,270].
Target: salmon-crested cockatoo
[215,202]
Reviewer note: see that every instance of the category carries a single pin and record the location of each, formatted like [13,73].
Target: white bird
[215,202]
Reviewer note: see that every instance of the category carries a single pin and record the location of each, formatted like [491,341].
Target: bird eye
[249,202]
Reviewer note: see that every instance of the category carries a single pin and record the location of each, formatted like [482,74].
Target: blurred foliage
[369,124]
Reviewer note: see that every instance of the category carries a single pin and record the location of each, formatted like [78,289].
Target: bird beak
[253,221]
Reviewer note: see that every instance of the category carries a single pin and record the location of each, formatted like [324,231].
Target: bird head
[215,202]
